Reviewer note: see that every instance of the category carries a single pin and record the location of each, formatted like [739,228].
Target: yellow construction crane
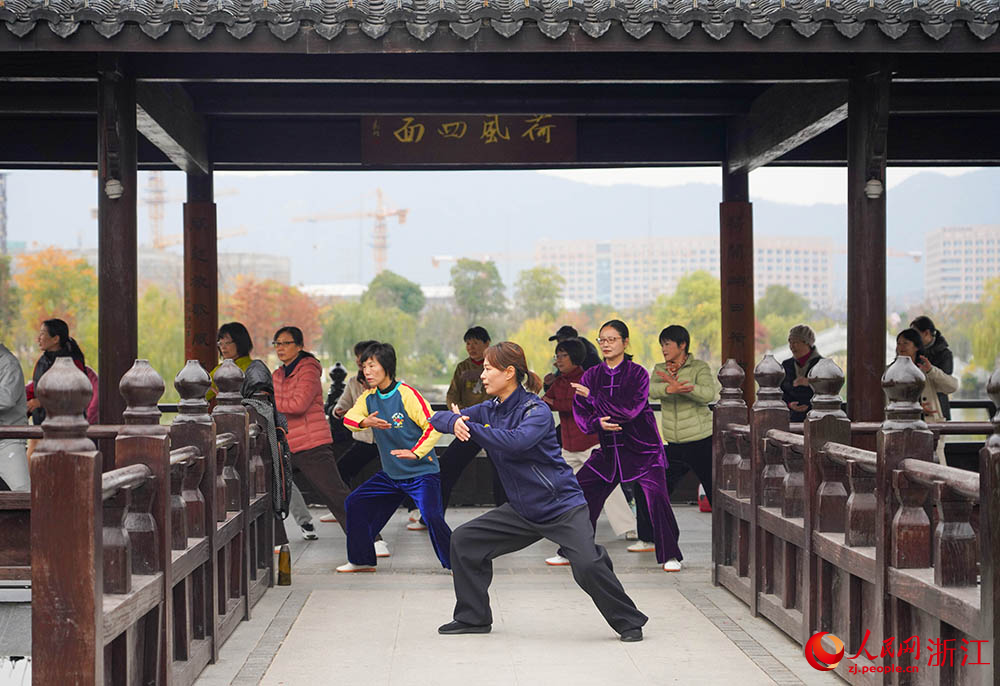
[380,232]
[155,198]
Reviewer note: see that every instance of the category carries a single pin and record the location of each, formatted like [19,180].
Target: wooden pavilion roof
[886,21]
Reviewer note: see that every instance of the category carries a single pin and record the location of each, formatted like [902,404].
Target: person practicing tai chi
[517,429]
[612,399]
[401,419]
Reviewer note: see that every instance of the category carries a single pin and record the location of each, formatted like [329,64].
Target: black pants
[681,457]
[475,545]
[320,470]
[457,456]
[355,459]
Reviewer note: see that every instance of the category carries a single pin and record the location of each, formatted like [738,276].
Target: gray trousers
[297,506]
[475,545]
[14,465]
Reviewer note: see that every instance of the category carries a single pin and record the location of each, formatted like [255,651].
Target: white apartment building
[633,272]
[959,262]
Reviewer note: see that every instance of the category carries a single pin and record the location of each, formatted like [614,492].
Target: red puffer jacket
[300,398]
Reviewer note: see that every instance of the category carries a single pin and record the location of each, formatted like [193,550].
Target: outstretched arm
[536,423]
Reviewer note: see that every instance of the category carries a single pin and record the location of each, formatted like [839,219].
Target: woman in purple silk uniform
[612,399]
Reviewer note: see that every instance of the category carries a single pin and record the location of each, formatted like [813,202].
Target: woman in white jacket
[909,343]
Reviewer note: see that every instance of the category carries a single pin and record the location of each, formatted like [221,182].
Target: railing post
[231,416]
[826,422]
[731,409]
[989,534]
[67,615]
[769,412]
[793,486]
[145,441]
[193,426]
[859,527]
[903,435]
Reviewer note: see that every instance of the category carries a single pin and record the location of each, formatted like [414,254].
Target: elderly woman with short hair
[795,389]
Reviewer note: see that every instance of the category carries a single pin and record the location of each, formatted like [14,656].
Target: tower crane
[380,232]
[155,198]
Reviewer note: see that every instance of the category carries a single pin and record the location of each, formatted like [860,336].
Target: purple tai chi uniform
[633,454]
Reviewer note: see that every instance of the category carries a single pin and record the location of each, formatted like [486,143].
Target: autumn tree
[479,290]
[51,283]
[389,289]
[8,300]
[265,306]
[538,292]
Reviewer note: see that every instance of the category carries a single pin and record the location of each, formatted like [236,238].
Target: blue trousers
[370,505]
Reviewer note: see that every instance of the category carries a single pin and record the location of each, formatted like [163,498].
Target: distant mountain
[455,213]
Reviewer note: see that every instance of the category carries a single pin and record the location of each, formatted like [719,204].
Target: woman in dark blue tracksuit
[545,501]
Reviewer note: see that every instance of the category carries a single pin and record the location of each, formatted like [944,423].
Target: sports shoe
[631,636]
[556,561]
[328,518]
[308,531]
[631,535]
[350,567]
[416,525]
[277,549]
[672,565]
[382,549]
[463,628]
[414,515]
[642,547]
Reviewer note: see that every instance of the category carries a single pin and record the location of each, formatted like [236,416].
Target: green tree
[389,289]
[533,337]
[985,342]
[161,335]
[779,310]
[346,323]
[695,306]
[8,301]
[479,290]
[538,292]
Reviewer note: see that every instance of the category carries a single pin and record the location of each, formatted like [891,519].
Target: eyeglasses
[282,344]
[612,339]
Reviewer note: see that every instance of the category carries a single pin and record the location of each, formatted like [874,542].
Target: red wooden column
[201,272]
[867,123]
[736,269]
[117,275]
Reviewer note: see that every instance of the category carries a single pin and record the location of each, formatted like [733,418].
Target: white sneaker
[642,547]
[382,549]
[328,518]
[416,526]
[631,535]
[349,567]
[672,565]
[277,549]
[557,561]
[308,531]
[414,515]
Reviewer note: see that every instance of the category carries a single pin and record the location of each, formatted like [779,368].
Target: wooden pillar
[201,272]
[867,122]
[736,267]
[117,280]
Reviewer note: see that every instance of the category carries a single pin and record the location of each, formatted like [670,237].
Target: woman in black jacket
[795,389]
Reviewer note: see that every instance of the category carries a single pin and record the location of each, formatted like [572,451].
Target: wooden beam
[166,116]
[201,272]
[783,118]
[117,276]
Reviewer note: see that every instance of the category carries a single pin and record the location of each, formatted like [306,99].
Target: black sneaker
[631,636]
[463,628]
[308,531]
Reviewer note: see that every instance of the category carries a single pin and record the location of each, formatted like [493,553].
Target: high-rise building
[959,262]
[633,272]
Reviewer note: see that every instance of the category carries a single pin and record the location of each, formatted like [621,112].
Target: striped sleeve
[420,412]
[357,414]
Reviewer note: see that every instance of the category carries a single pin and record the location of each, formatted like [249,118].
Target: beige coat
[937,382]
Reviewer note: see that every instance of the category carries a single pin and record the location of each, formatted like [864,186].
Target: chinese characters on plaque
[454,139]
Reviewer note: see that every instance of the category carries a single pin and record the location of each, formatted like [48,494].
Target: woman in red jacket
[298,394]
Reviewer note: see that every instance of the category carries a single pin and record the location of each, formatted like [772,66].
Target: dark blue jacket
[520,437]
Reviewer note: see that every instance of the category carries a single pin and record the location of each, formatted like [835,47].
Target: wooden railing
[875,547]
[141,573]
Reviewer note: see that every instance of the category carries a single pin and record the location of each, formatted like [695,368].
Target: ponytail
[73,348]
[509,354]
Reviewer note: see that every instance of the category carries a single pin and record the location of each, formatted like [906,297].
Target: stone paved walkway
[381,628]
